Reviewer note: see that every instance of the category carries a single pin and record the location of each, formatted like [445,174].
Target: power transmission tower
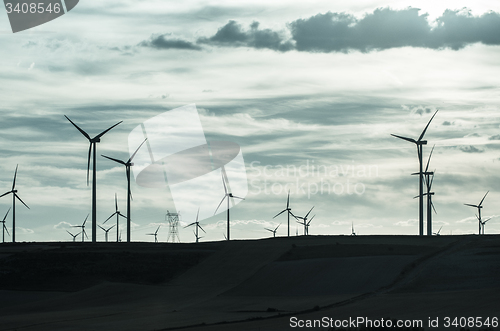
[173,223]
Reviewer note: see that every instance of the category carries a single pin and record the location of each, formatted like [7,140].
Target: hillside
[257,284]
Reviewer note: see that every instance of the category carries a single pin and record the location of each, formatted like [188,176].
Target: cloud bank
[385,28]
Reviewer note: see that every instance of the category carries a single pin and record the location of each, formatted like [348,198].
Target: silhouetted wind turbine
[483,223]
[428,180]
[73,235]
[227,195]
[479,207]
[274,231]
[14,196]
[419,142]
[352,229]
[93,142]
[305,220]
[154,234]
[127,165]
[289,210]
[106,230]
[197,225]
[437,233]
[118,214]
[83,228]
[4,228]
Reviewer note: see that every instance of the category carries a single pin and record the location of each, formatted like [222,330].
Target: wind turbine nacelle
[423,142]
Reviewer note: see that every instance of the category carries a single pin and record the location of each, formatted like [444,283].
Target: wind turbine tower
[289,212]
[14,197]
[479,207]
[419,143]
[93,142]
[127,165]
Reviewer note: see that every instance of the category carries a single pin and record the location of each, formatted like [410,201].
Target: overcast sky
[294,83]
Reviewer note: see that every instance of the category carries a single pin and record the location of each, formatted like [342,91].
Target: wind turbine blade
[440,229]
[76,126]
[201,228]
[432,205]
[432,179]
[6,215]
[109,217]
[269,229]
[309,212]
[293,214]
[8,230]
[198,213]
[18,198]
[129,160]
[223,182]
[288,200]
[88,164]
[470,205]
[120,214]
[116,203]
[112,159]
[423,132]
[429,159]
[280,213]
[157,230]
[101,227]
[85,233]
[486,221]
[70,233]
[234,196]
[404,138]
[5,194]
[277,227]
[220,204]
[189,225]
[85,220]
[104,132]
[14,181]
[483,198]
[310,220]
[112,227]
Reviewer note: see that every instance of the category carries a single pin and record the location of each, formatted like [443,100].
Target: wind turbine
[419,142]
[479,207]
[154,234]
[197,225]
[289,210]
[118,214]
[428,179]
[274,231]
[352,229]
[483,223]
[83,228]
[437,233]
[4,228]
[106,230]
[14,196]
[93,142]
[305,220]
[73,235]
[127,165]
[227,195]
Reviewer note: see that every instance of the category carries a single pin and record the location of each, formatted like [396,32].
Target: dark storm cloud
[234,35]
[163,42]
[385,28]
